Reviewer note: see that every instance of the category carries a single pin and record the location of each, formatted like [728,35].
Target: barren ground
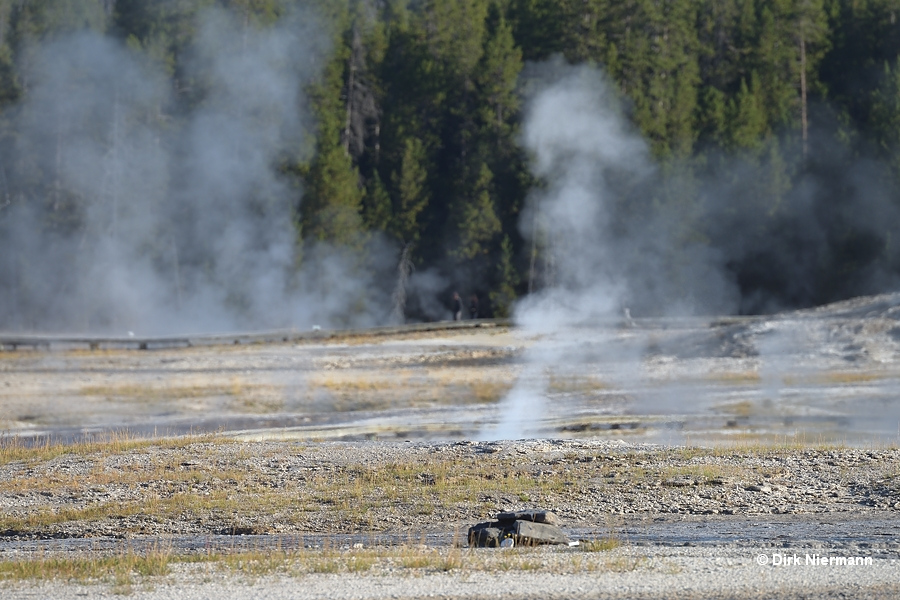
[734,437]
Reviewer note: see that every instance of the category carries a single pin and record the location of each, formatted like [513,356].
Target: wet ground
[873,535]
[827,375]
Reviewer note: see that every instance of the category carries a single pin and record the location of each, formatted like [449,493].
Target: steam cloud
[157,226]
[608,226]
[579,142]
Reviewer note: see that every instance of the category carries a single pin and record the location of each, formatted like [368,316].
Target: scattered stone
[536,516]
[808,486]
[485,535]
[680,482]
[759,488]
[524,528]
[529,533]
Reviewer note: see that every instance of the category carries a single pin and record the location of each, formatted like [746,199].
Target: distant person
[457,307]
[473,307]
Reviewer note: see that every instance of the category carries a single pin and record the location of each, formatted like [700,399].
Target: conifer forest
[170,165]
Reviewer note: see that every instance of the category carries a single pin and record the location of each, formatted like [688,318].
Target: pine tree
[504,289]
[777,179]
[863,36]
[454,32]
[720,50]
[332,205]
[747,120]
[332,200]
[162,30]
[10,92]
[585,39]
[412,192]
[713,120]
[657,50]
[55,17]
[497,102]
[540,27]
[9,85]
[477,221]
[885,116]
[810,36]
[773,62]
[496,79]
[377,213]
[412,95]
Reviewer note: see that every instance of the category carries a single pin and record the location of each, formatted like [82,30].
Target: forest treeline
[773,126]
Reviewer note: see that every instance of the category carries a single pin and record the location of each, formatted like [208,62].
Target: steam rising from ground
[604,250]
[159,221]
[613,233]
[577,139]
[582,147]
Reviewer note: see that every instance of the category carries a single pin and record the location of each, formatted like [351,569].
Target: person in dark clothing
[457,307]
[473,307]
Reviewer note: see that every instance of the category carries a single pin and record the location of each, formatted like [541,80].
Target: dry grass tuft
[736,378]
[575,384]
[604,544]
[118,569]
[45,449]
[851,377]
[125,569]
[148,393]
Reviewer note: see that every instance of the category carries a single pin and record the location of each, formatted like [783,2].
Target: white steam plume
[577,137]
[598,259]
[159,221]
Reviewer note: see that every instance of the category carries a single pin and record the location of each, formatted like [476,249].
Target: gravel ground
[780,438]
[218,486]
[690,522]
[660,572]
